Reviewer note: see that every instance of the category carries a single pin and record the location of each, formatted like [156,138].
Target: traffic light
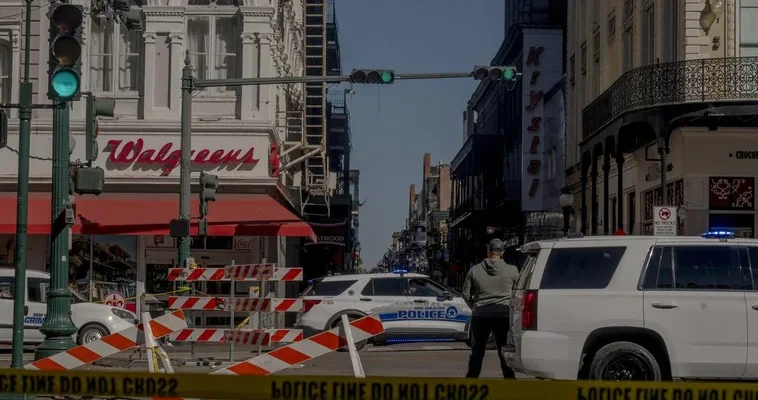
[3,129]
[65,51]
[507,74]
[96,106]
[208,191]
[373,76]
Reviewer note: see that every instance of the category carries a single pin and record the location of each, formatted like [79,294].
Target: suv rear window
[581,268]
[526,271]
[328,288]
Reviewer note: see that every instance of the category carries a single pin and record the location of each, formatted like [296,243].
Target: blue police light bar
[400,271]
[719,235]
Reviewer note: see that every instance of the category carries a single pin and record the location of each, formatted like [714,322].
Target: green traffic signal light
[509,74]
[65,51]
[388,77]
[65,83]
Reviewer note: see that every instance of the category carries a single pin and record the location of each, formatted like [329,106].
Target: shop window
[731,193]
[156,278]
[7,250]
[103,264]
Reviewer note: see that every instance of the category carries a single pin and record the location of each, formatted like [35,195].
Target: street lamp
[566,201]
[710,14]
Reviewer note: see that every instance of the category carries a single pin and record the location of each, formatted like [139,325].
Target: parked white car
[637,308]
[431,312]
[93,321]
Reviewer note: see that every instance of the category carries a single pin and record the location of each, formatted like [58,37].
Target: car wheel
[91,333]
[359,345]
[624,362]
[491,343]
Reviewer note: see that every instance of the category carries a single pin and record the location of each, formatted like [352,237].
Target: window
[707,267]
[526,272]
[385,287]
[659,273]
[37,289]
[753,260]
[115,56]
[628,42]
[213,29]
[648,37]
[7,287]
[631,212]
[581,268]
[328,288]
[6,66]
[424,288]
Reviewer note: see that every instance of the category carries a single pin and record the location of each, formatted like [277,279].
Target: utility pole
[64,69]
[22,208]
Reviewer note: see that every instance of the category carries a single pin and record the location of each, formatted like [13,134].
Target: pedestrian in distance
[487,290]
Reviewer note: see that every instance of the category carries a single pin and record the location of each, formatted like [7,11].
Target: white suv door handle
[754,306]
[664,306]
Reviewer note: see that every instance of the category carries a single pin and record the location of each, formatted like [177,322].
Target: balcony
[716,80]
[333,57]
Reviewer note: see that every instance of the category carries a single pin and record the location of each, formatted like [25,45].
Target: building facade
[333,213]
[120,239]
[661,96]
[505,174]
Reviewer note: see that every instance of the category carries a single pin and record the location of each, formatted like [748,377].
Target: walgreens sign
[240,156]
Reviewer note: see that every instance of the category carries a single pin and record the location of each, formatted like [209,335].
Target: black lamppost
[566,201]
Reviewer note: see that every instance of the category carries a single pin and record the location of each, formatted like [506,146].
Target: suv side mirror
[446,294]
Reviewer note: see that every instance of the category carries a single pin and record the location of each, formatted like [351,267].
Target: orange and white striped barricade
[263,272]
[240,272]
[110,345]
[234,304]
[264,337]
[306,349]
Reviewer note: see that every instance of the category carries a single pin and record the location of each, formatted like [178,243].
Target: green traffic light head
[387,77]
[65,83]
[509,73]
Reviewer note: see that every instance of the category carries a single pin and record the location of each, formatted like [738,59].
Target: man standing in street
[487,290]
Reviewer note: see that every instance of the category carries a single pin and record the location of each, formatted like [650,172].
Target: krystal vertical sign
[542,68]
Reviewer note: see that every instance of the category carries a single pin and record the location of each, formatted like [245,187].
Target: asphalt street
[413,359]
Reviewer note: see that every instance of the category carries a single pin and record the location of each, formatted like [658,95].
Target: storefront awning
[150,213]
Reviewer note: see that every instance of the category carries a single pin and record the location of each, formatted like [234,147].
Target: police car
[93,321]
[412,307]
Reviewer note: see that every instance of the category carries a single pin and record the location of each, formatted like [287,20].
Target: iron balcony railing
[709,80]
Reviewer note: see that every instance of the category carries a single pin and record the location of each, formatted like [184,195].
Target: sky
[394,125]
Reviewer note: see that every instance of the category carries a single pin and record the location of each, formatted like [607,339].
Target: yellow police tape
[196,386]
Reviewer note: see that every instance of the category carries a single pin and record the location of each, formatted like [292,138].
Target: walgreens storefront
[120,243]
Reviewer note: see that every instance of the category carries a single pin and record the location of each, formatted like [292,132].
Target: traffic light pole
[58,327]
[205,83]
[22,208]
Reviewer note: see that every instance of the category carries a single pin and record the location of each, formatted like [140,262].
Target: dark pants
[481,327]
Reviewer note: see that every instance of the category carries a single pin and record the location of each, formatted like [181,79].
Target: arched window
[213,31]
[115,56]
[6,68]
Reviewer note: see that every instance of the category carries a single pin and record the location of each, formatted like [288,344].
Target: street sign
[115,299]
[665,221]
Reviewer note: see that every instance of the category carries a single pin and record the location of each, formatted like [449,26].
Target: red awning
[150,213]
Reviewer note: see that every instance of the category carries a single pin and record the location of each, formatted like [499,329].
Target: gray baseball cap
[496,246]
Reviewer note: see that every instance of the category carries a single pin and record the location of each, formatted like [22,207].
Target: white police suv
[93,321]
[412,307]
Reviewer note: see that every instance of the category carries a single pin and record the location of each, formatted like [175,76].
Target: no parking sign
[115,299]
